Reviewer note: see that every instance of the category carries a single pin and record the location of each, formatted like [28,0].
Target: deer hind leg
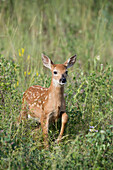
[64,121]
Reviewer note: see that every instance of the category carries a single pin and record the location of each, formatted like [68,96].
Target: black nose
[63,80]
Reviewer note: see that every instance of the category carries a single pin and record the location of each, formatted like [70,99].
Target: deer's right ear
[46,61]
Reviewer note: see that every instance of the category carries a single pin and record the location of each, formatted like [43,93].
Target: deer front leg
[64,121]
[23,115]
[44,125]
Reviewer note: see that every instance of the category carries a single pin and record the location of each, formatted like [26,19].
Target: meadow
[59,29]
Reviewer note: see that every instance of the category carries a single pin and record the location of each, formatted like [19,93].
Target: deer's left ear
[70,62]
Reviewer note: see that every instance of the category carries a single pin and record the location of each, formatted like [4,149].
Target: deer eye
[55,72]
[66,72]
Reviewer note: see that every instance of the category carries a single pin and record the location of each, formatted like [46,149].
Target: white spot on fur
[29,97]
[46,97]
[34,95]
[38,105]
[37,87]
[35,99]
[42,94]
[32,104]
[30,92]
[32,86]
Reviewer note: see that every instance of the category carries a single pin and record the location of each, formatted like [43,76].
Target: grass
[60,30]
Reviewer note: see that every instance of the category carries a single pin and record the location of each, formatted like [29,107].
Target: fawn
[48,104]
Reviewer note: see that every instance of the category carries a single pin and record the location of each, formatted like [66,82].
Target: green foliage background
[60,29]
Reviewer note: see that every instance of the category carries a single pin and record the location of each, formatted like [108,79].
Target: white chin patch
[62,83]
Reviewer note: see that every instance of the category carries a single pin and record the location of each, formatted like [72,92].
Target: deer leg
[23,114]
[64,121]
[44,125]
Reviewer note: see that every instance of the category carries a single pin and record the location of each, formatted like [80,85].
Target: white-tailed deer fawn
[48,104]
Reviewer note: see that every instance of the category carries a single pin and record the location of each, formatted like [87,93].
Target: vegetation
[60,29]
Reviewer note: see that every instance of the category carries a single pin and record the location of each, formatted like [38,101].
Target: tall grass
[60,29]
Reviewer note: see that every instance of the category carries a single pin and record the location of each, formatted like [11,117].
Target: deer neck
[57,91]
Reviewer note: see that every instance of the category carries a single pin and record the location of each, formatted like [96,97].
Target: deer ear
[70,62]
[46,61]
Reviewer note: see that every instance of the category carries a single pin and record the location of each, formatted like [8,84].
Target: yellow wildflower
[17,83]
[37,73]
[20,54]
[24,73]
[22,51]
[29,73]
[28,57]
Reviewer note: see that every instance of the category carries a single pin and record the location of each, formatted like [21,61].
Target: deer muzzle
[62,80]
